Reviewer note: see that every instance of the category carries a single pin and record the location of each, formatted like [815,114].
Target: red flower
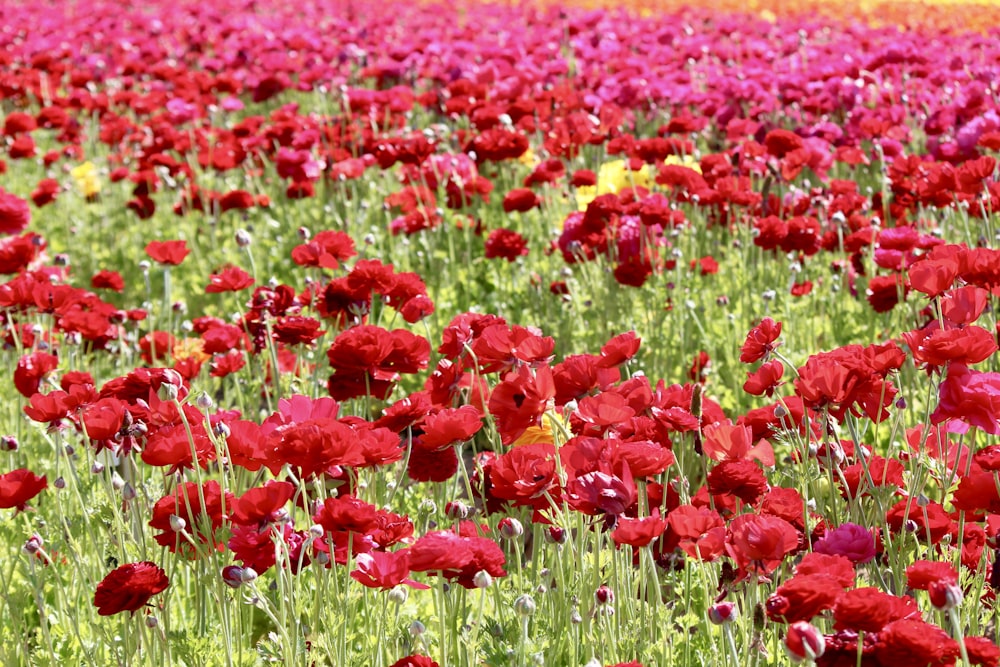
[102,420]
[438,551]
[316,445]
[838,567]
[741,478]
[525,474]
[505,244]
[200,521]
[229,279]
[450,426]
[982,651]
[935,346]
[765,379]
[105,279]
[698,531]
[326,250]
[31,369]
[803,596]
[520,400]
[14,213]
[760,542]
[129,588]
[432,465]
[167,252]
[385,570]
[915,643]
[638,532]
[922,574]
[415,661]
[760,341]
[521,200]
[18,487]
[369,359]
[870,610]
[969,396]
[263,504]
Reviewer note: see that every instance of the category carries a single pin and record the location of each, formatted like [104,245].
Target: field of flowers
[466,334]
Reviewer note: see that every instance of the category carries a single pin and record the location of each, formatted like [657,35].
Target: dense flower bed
[428,334]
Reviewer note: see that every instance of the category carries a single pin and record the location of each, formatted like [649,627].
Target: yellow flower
[612,178]
[528,158]
[686,161]
[87,182]
[190,348]
[542,434]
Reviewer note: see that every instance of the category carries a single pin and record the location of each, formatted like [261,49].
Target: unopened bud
[177,524]
[945,595]
[33,545]
[525,605]
[804,642]
[398,595]
[456,510]
[510,528]
[482,579]
[722,612]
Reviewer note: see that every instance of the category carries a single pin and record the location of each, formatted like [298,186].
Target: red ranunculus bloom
[167,252]
[505,244]
[129,588]
[14,214]
[760,341]
[20,486]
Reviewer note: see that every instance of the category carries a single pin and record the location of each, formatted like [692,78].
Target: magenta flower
[855,542]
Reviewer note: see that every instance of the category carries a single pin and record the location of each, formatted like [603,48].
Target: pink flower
[851,540]
[970,396]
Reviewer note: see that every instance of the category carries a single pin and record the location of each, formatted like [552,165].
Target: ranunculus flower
[14,213]
[851,540]
[129,588]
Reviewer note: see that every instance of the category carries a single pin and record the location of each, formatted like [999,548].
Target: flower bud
[482,579]
[417,628]
[456,510]
[242,238]
[510,528]
[604,595]
[804,642]
[945,595]
[398,595]
[8,443]
[232,576]
[721,613]
[556,535]
[177,524]
[525,605]
[204,401]
[33,545]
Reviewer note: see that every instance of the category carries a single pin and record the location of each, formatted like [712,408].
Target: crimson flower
[505,244]
[228,279]
[129,588]
[760,542]
[915,643]
[803,596]
[14,213]
[18,487]
[760,341]
[385,570]
[167,252]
